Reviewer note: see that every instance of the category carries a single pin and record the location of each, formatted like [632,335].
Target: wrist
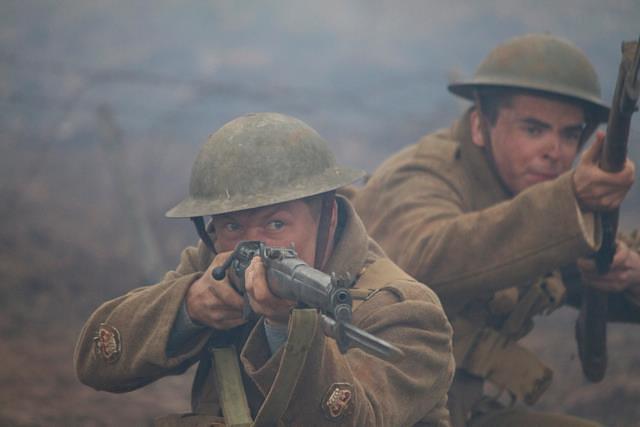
[187,320]
[576,193]
[190,306]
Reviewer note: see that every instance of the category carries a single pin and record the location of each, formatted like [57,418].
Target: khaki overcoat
[439,211]
[402,311]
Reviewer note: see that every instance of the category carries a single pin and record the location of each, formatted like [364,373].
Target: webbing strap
[303,325]
[544,296]
[233,398]
[322,239]
[198,221]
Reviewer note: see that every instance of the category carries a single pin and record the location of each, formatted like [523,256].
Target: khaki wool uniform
[439,211]
[392,306]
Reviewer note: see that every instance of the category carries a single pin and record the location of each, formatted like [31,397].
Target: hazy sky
[369,75]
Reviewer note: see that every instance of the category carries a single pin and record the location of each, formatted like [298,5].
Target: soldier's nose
[552,148]
[254,233]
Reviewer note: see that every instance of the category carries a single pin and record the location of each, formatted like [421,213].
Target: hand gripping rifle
[291,278]
[591,326]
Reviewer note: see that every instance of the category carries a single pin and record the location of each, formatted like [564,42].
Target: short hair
[492,99]
[315,205]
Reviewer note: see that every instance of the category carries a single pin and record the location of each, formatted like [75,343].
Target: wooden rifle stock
[591,326]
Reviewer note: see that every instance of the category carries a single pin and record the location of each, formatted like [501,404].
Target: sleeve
[355,388]
[423,223]
[184,329]
[123,345]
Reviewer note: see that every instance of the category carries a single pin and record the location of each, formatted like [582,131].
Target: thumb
[593,153]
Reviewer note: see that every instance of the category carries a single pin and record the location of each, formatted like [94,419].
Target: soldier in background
[492,216]
[272,178]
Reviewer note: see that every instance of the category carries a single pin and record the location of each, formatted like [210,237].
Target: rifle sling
[233,398]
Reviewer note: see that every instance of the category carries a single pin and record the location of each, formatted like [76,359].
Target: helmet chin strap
[322,239]
[486,136]
[198,221]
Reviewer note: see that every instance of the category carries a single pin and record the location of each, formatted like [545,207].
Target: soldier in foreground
[271,178]
[492,216]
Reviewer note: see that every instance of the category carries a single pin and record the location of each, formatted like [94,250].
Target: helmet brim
[467,89]
[330,180]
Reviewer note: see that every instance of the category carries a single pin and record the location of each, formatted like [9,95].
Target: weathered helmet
[259,160]
[538,62]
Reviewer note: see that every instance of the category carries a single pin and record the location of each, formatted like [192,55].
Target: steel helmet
[539,62]
[258,160]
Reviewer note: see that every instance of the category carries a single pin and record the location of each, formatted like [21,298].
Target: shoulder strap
[233,398]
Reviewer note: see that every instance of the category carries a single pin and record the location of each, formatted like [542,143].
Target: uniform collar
[351,245]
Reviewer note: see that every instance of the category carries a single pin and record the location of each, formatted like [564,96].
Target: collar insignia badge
[338,401]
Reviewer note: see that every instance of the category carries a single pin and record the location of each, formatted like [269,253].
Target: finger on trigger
[225,293]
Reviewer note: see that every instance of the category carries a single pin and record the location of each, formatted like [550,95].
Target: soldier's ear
[477,136]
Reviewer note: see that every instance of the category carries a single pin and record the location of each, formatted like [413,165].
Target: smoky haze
[103,106]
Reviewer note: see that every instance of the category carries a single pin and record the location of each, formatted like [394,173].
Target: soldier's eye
[275,225]
[533,130]
[232,227]
[572,135]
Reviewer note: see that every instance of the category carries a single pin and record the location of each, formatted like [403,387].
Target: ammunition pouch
[494,355]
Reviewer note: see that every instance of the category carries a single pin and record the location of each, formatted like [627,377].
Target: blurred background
[103,106]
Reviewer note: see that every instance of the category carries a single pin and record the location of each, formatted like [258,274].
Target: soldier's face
[277,225]
[535,139]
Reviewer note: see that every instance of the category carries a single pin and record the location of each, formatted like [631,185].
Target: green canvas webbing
[233,398]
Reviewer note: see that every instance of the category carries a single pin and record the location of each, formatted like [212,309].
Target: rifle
[591,326]
[291,278]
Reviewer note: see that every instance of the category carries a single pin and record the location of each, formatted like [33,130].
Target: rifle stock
[591,326]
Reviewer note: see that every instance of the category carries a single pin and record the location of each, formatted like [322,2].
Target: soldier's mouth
[542,176]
